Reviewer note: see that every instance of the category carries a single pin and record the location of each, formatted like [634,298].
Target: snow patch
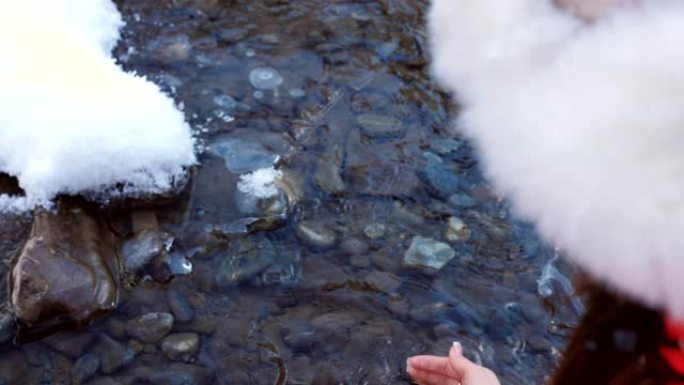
[261,183]
[71,120]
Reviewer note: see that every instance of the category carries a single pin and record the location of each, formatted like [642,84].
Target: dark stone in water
[113,354]
[140,250]
[440,179]
[150,327]
[383,178]
[84,368]
[179,374]
[300,336]
[6,326]
[181,309]
[245,259]
[67,270]
[380,126]
[180,346]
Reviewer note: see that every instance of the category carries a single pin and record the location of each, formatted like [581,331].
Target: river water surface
[327,289]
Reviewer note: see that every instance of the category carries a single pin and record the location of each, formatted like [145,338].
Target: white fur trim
[582,125]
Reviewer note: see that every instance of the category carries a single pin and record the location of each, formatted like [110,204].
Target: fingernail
[457,347]
[408,364]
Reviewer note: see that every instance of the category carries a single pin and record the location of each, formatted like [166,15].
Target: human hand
[452,370]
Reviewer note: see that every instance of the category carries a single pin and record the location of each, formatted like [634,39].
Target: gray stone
[242,156]
[460,200]
[441,179]
[246,258]
[354,246]
[225,101]
[457,230]
[72,344]
[383,281]
[315,234]
[265,78]
[180,308]
[327,176]
[445,146]
[84,368]
[180,346]
[113,354]
[428,254]
[6,326]
[374,230]
[150,327]
[140,250]
[379,126]
[360,261]
[231,35]
[300,336]
[176,374]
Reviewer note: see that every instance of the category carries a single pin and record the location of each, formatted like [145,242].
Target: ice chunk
[260,183]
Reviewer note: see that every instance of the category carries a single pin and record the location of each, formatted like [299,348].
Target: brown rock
[67,270]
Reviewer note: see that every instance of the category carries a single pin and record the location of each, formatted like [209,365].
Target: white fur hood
[582,126]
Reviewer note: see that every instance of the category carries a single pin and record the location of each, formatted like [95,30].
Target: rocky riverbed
[382,241]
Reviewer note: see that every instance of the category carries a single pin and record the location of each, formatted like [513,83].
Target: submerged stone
[67,270]
[242,156]
[180,346]
[316,234]
[245,259]
[265,78]
[150,327]
[113,354]
[441,179]
[457,230]
[225,101]
[428,254]
[84,368]
[140,250]
[379,126]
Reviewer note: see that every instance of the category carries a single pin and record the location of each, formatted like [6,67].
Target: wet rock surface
[310,286]
[150,327]
[67,270]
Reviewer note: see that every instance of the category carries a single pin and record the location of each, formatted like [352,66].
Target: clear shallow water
[338,94]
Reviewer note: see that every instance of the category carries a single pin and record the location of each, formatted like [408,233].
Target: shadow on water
[337,95]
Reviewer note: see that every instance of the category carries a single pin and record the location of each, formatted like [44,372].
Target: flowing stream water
[386,241]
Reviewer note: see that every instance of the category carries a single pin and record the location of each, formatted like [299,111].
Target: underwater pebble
[429,254]
[457,230]
[297,93]
[374,230]
[150,327]
[113,354]
[84,368]
[354,246]
[379,126]
[139,251]
[180,308]
[265,78]
[383,281]
[246,257]
[315,234]
[242,156]
[6,326]
[225,101]
[178,374]
[180,346]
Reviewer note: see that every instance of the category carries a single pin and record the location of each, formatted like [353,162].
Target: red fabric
[674,356]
